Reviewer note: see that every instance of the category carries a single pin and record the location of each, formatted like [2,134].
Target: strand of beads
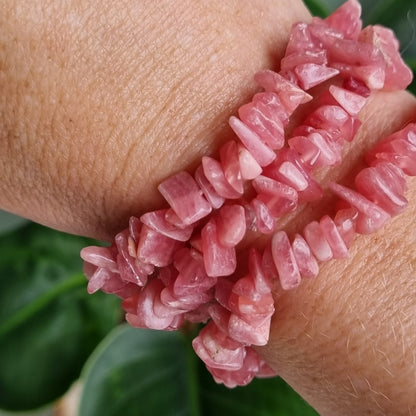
[242,315]
[178,263]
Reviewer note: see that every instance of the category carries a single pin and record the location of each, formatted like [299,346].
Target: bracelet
[179,263]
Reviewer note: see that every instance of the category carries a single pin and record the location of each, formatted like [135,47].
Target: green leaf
[143,372]
[317,7]
[138,372]
[48,323]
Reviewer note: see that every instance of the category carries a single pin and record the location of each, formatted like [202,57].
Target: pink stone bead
[290,95]
[231,225]
[261,280]
[317,242]
[97,279]
[327,117]
[144,317]
[217,350]
[215,175]
[356,86]
[300,40]
[265,123]
[333,237]
[399,149]
[249,167]
[368,65]
[318,57]
[289,169]
[279,198]
[252,365]
[218,260]
[192,277]
[345,221]
[310,75]
[223,290]
[156,220]
[185,197]
[211,195]
[370,216]
[306,261]
[268,266]
[382,185]
[270,104]
[220,316]
[259,150]
[184,303]
[323,35]
[231,165]
[100,257]
[249,304]
[346,19]
[317,149]
[348,100]
[308,151]
[246,333]
[264,221]
[285,261]
[398,74]
[131,269]
[155,248]
[135,226]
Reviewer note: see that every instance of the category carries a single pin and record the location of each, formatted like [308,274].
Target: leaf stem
[77,280]
[192,366]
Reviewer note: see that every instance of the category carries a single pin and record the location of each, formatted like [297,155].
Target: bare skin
[100,102]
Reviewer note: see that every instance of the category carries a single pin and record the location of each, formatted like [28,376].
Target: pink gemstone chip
[247,333]
[306,261]
[249,167]
[310,75]
[345,220]
[279,198]
[156,220]
[285,261]
[231,165]
[259,150]
[370,216]
[265,123]
[317,242]
[208,190]
[346,19]
[185,197]
[231,225]
[398,74]
[217,350]
[155,248]
[214,173]
[334,238]
[218,260]
[348,100]
[192,277]
[290,94]
[264,221]
[398,148]
[382,185]
[100,257]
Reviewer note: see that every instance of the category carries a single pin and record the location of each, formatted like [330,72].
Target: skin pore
[101,102]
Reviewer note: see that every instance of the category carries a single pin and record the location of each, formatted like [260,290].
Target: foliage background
[52,332]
